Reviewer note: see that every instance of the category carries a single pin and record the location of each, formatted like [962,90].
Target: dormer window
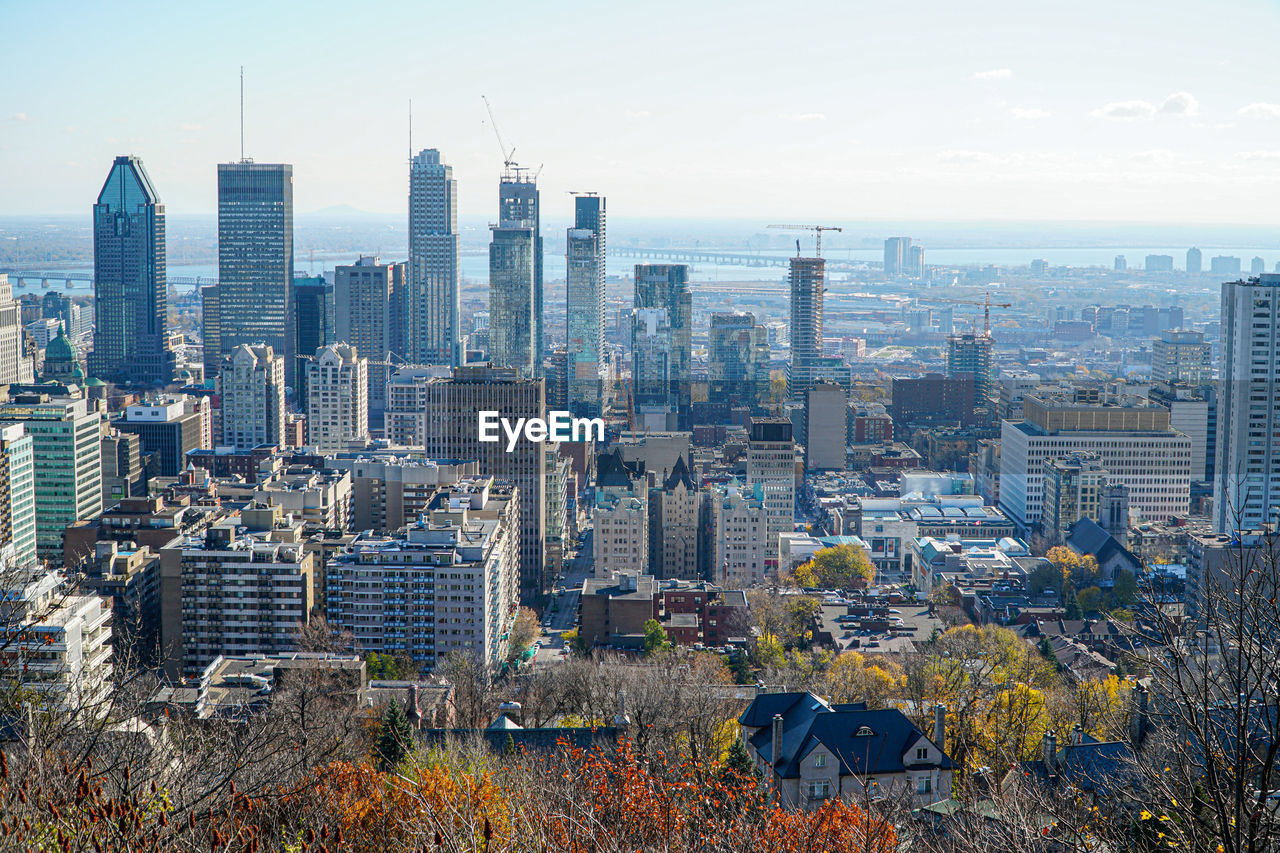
[864,731]
[820,760]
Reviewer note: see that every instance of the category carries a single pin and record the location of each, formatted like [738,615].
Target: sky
[820,111]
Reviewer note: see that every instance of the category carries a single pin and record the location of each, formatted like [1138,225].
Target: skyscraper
[515,277]
[338,405]
[808,283]
[897,256]
[1194,262]
[11,356]
[665,287]
[738,360]
[130,343]
[970,353]
[584,293]
[255,258]
[312,307]
[368,312]
[432,334]
[1247,481]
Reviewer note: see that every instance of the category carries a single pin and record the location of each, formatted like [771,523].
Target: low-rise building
[612,611]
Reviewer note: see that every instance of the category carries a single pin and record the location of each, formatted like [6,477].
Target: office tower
[255,258]
[515,278]
[584,307]
[432,333]
[68,487]
[122,473]
[338,398]
[440,415]
[1159,263]
[556,369]
[665,287]
[1073,489]
[63,642]
[244,588]
[1247,481]
[369,307]
[915,261]
[1181,357]
[18,503]
[1257,266]
[130,337]
[808,283]
[652,379]
[620,518]
[970,353]
[210,332]
[11,354]
[738,360]
[168,428]
[252,387]
[448,584]
[312,327]
[771,464]
[1194,264]
[897,254]
[826,426]
[1134,442]
[1121,264]
[1224,265]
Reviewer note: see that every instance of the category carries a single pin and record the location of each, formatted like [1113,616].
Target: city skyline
[1161,123]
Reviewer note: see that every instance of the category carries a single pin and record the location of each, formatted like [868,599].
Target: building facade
[585,300]
[432,331]
[252,384]
[337,399]
[369,311]
[771,464]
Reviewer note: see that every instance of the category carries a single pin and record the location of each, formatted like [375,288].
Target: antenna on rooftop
[241,113]
[411,131]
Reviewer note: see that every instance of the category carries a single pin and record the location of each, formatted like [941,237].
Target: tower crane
[508,157]
[986,304]
[816,228]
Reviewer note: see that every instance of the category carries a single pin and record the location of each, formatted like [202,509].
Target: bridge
[73,280]
[713,256]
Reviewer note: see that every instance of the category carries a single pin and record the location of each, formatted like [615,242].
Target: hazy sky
[1140,111]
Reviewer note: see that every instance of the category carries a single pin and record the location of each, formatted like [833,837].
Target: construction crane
[986,304]
[817,240]
[508,157]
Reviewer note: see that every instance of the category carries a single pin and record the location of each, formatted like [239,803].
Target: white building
[393,487]
[1182,357]
[1133,442]
[17,460]
[449,584]
[252,388]
[337,398]
[743,553]
[57,645]
[620,519]
[12,360]
[771,464]
[1247,482]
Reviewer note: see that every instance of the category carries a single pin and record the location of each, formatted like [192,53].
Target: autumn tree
[523,632]
[837,567]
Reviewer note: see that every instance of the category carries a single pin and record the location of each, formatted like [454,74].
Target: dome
[60,349]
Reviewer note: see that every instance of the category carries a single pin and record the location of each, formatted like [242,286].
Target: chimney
[940,726]
[776,753]
[1138,725]
[1049,750]
[514,712]
[414,711]
[622,721]
[1077,734]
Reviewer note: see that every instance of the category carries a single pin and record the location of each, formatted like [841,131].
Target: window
[924,785]
[819,790]
[922,753]
[820,760]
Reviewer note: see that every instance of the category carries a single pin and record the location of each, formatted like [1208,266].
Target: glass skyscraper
[432,304]
[129,342]
[515,278]
[585,292]
[255,258]
[664,288]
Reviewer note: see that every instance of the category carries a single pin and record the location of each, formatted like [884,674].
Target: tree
[1073,605]
[1125,589]
[1089,599]
[523,632]
[837,567]
[394,737]
[738,762]
[655,638]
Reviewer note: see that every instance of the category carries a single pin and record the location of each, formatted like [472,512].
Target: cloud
[19,117]
[1259,156]
[993,74]
[1125,110]
[803,116]
[1029,113]
[1180,104]
[190,126]
[1261,110]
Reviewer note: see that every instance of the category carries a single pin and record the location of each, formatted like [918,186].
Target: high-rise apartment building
[738,360]
[1247,480]
[771,464]
[620,518]
[65,440]
[11,354]
[808,283]
[585,292]
[18,501]
[448,584]
[1224,265]
[369,308]
[741,524]
[255,258]
[130,336]
[1182,357]
[665,287]
[252,386]
[440,415]
[1073,489]
[1159,263]
[969,353]
[515,278]
[337,398]
[899,258]
[1134,442]
[653,381]
[1194,261]
[391,488]
[312,325]
[826,419]
[432,331]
